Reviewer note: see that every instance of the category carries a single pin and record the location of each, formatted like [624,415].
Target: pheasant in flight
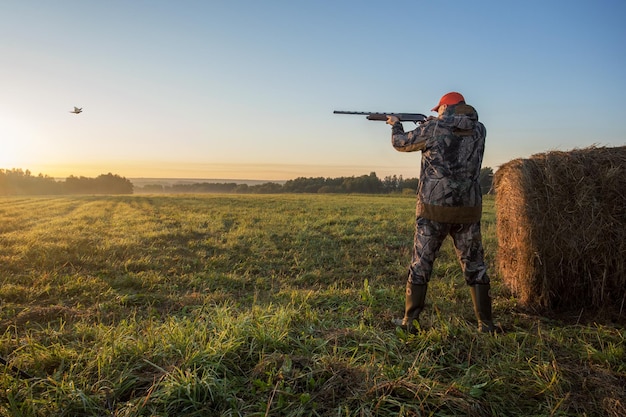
[77,110]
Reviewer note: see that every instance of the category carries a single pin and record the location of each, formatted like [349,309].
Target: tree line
[364,184]
[19,182]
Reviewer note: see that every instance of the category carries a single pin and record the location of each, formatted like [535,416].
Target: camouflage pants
[429,235]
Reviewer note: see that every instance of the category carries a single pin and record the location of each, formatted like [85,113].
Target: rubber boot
[413,306]
[482,307]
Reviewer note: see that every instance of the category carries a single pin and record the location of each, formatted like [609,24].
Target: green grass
[269,305]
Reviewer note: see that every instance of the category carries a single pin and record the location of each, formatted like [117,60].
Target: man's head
[449,99]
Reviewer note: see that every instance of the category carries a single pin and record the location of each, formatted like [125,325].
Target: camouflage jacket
[452,148]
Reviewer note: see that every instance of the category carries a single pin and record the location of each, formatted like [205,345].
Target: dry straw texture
[561,228]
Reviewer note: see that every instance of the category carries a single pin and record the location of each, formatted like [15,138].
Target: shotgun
[404,117]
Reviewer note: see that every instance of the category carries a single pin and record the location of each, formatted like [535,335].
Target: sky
[246,89]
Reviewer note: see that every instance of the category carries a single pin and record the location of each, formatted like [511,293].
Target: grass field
[260,305]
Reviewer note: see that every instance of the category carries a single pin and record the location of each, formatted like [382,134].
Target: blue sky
[246,89]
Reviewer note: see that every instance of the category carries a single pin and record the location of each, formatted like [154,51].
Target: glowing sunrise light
[13,149]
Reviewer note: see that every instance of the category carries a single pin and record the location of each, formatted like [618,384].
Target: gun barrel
[404,117]
[352,112]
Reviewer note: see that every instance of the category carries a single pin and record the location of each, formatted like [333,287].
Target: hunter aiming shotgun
[404,117]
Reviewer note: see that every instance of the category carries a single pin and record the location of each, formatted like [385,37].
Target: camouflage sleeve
[412,141]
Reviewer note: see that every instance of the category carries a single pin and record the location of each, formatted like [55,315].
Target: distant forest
[19,182]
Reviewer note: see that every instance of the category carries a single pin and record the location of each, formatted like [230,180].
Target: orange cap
[449,99]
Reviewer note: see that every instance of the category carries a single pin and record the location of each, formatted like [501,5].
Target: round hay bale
[561,228]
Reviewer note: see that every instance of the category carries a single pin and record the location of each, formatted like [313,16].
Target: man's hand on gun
[391,120]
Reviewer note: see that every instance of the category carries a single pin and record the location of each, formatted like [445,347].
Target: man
[449,202]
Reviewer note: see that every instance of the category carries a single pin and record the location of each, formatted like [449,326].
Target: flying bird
[77,110]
